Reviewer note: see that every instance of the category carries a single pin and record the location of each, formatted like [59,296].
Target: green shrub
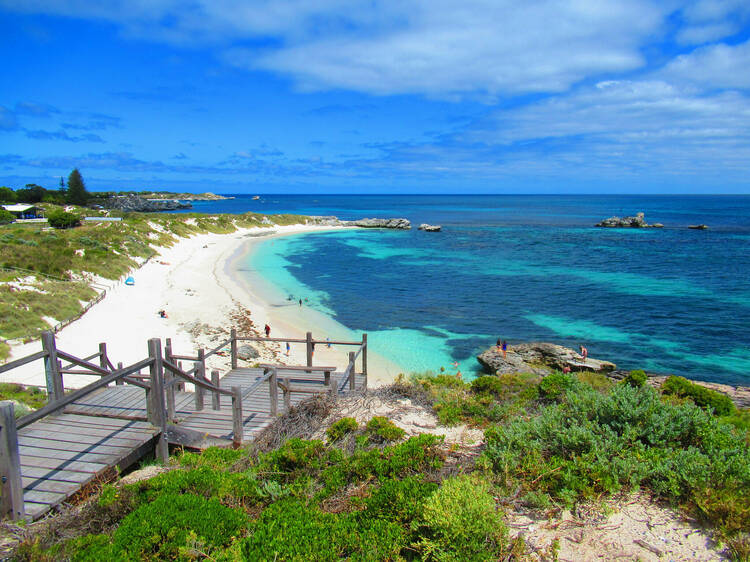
[399,500]
[460,522]
[635,378]
[706,398]
[163,528]
[382,429]
[213,457]
[62,219]
[293,530]
[554,386]
[342,427]
[6,217]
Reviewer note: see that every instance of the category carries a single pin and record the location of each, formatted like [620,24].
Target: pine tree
[77,194]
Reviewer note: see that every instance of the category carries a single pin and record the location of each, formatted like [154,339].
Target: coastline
[197,283]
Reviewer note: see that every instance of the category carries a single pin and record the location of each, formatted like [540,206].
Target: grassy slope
[105,249]
[366,494]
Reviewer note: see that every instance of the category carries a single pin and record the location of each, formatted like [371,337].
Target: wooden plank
[55,486]
[97,446]
[46,463]
[101,455]
[52,498]
[58,474]
[64,430]
[103,421]
[78,434]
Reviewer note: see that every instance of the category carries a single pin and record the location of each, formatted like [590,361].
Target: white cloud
[711,20]
[437,47]
[712,67]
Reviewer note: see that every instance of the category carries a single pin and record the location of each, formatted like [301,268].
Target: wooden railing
[11,495]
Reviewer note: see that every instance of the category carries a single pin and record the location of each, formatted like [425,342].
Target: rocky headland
[638,221]
[544,358]
[430,227]
[135,204]
[541,358]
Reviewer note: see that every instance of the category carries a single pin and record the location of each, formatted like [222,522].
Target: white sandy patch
[192,282]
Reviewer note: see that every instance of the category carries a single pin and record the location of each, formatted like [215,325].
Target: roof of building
[19,208]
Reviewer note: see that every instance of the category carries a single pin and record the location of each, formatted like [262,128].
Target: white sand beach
[196,283]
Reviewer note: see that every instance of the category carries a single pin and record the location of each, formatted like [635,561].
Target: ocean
[525,268]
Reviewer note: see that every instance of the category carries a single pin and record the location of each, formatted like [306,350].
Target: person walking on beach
[268,330]
[300,303]
[504,347]
[288,347]
[584,353]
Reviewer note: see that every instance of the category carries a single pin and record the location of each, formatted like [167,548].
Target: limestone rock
[430,227]
[540,358]
[135,204]
[247,352]
[638,221]
[398,223]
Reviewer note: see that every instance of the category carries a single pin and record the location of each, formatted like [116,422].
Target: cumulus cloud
[711,20]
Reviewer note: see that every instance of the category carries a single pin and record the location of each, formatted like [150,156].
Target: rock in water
[398,224]
[430,227]
[540,358]
[698,226]
[637,221]
[247,352]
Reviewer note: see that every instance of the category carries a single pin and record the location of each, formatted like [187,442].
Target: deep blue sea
[525,268]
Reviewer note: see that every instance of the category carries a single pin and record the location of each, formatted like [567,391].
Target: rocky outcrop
[430,227]
[540,358]
[324,220]
[398,224]
[135,204]
[637,221]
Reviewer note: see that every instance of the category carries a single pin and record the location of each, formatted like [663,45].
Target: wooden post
[201,375]
[234,348]
[327,378]
[103,355]
[309,344]
[158,413]
[237,416]
[215,396]
[352,372]
[273,391]
[287,393]
[51,368]
[364,361]
[334,388]
[11,492]
[119,382]
[180,384]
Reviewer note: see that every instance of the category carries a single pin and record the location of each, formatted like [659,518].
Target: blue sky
[327,96]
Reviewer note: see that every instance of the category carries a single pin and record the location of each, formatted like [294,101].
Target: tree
[32,193]
[62,186]
[77,194]
[7,195]
[61,219]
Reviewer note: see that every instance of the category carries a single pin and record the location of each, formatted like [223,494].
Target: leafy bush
[554,386]
[635,378]
[62,219]
[161,529]
[342,427]
[382,429]
[706,398]
[461,522]
[592,443]
[6,217]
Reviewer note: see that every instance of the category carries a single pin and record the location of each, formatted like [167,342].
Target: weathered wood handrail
[22,361]
[218,348]
[95,370]
[80,393]
[307,368]
[174,369]
[11,486]
[89,358]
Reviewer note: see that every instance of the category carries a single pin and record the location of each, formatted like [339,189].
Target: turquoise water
[527,268]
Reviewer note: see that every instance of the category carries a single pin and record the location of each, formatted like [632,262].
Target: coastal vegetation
[370,492]
[46,275]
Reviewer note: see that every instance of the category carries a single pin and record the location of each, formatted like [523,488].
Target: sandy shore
[197,283]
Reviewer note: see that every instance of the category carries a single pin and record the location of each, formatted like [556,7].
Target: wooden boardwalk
[61,454]
[92,433]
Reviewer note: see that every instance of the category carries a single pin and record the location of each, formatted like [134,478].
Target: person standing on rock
[504,347]
[584,353]
[268,330]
